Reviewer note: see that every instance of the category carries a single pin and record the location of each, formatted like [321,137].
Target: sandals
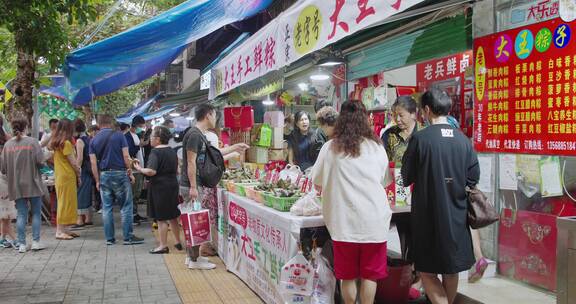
[73,235]
[160,251]
[64,237]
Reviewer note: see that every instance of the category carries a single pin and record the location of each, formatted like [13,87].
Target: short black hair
[52,121]
[124,126]
[105,120]
[321,104]
[167,122]
[163,134]
[407,103]
[203,110]
[80,126]
[438,101]
[138,120]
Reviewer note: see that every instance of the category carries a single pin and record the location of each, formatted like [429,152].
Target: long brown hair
[352,128]
[19,127]
[64,132]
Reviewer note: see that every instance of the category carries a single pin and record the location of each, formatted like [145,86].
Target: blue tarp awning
[145,50]
[149,116]
[139,109]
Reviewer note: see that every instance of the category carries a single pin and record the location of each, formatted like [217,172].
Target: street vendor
[299,142]
[396,138]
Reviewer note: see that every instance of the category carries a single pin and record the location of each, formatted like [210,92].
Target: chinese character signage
[526,90]
[521,14]
[257,248]
[305,27]
[442,69]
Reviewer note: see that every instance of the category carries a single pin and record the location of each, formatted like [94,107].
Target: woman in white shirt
[352,170]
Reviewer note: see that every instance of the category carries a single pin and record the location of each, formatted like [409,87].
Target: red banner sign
[442,69]
[526,90]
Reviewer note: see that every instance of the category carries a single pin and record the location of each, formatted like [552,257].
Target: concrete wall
[189,75]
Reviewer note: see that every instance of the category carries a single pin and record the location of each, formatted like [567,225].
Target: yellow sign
[7,94]
[480,73]
[307,29]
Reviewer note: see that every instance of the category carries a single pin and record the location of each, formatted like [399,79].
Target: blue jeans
[115,189]
[22,220]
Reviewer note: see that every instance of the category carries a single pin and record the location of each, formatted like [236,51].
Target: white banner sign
[256,241]
[307,26]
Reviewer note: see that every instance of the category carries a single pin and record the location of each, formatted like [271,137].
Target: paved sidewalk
[85,270]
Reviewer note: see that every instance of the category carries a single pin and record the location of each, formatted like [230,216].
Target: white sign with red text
[307,26]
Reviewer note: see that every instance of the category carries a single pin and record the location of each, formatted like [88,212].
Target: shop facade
[454,49]
[523,125]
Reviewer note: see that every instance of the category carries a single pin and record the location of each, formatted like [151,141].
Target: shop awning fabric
[145,50]
[149,116]
[139,109]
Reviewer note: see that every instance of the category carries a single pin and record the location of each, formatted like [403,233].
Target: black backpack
[210,171]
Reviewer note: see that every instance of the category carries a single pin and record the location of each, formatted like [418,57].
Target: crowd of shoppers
[346,159]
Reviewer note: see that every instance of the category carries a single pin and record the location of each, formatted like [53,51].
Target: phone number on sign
[561,145]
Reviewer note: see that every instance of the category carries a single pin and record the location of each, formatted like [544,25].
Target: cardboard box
[277,138]
[276,154]
[274,119]
[258,155]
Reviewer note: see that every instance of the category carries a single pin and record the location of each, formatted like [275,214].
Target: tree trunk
[88,115]
[21,105]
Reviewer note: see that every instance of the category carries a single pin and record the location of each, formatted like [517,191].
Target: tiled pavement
[85,270]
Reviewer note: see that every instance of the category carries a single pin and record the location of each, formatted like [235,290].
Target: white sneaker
[201,265]
[37,246]
[203,259]
[187,261]
[22,248]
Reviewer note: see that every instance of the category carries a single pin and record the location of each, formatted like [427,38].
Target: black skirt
[163,199]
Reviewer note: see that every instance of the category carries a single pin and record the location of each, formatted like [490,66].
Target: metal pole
[36,115]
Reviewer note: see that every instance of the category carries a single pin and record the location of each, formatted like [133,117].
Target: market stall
[256,240]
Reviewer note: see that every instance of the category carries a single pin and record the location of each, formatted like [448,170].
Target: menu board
[525,90]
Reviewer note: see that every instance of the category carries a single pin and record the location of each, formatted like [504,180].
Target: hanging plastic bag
[326,284]
[291,172]
[265,136]
[297,277]
[308,205]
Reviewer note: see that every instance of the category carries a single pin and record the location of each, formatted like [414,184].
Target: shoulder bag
[211,169]
[481,211]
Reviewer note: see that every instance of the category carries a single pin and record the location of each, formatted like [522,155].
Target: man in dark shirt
[195,152]
[133,138]
[112,172]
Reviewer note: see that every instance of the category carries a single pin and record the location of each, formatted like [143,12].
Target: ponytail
[19,126]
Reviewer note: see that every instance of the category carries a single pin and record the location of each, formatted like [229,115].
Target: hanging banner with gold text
[307,26]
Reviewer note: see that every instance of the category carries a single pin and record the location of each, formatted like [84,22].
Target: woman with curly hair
[67,173]
[352,170]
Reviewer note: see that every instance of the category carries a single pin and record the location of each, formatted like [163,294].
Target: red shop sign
[442,69]
[525,89]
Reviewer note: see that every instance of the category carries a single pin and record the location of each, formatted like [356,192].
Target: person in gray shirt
[20,161]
